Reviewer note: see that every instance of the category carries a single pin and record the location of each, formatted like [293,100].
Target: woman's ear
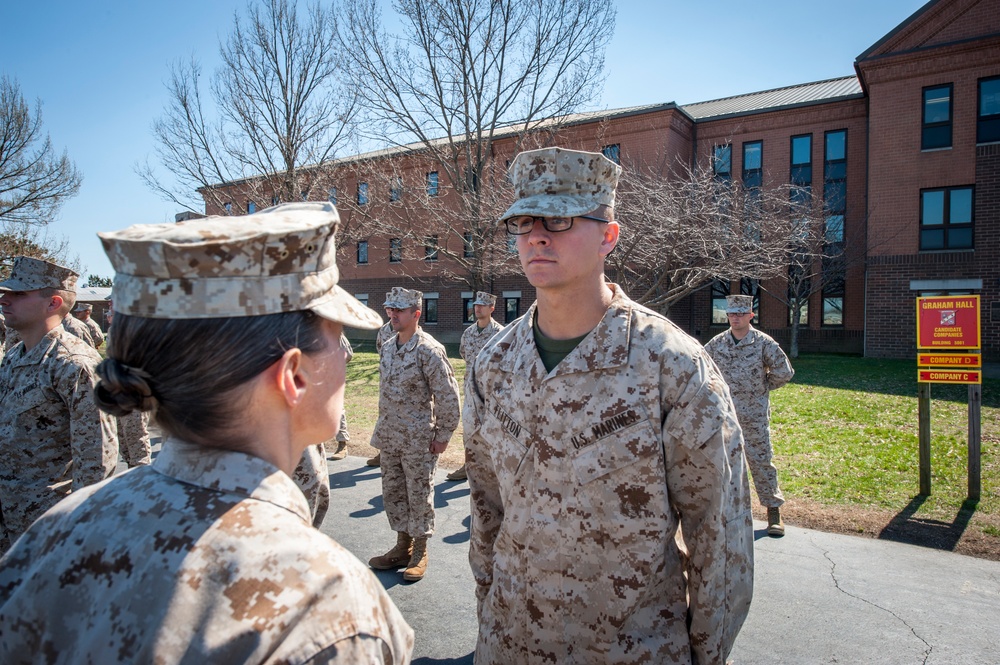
[289,378]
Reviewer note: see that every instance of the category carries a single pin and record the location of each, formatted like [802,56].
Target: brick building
[906,152]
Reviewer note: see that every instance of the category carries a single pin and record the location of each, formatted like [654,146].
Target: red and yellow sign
[949,376]
[948,322]
[962,360]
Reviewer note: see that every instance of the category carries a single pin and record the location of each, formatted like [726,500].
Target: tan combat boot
[775,527]
[341,451]
[375,461]
[418,561]
[396,557]
[458,474]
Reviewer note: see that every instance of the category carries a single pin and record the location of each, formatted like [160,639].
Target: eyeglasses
[522,224]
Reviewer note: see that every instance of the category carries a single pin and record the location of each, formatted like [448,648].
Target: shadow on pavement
[464,660]
[905,528]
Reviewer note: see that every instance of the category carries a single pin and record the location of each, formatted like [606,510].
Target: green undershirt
[552,351]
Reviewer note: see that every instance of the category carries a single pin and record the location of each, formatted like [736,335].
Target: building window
[835,184]
[362,298]
[395,250]
[396,189]
[722,162]
[751,287]
[720,289]
[251,207]
[988,122]
[946,218]
[936,132]
[362,193]
[471,179]
[833,300]
[468,311]
[753,163]
[797,282]
[331,195]
[801,167]
[613,152]
[430,313]
[431,248]
[511,309]
[362,251]
[229,208]
[275,200]
[432,183]
[468,249]
[512,244]
[304,195]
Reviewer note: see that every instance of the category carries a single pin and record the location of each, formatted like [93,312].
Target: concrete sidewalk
[818,597]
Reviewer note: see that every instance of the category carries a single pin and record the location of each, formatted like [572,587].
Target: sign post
[946,324]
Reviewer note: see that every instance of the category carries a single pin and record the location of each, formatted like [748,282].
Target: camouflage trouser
[313,478]
[757,440]
[408,491]
[133,438]
[342,433]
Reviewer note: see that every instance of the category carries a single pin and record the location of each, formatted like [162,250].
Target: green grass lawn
[845,432]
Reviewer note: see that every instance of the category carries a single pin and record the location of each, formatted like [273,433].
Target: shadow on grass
[936,534]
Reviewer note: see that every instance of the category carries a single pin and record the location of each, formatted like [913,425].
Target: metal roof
[92,293]
[804,94]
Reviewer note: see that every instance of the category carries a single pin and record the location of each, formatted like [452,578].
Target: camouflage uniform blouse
[752,368]
[473,341]
[580,480]
[78,328]
[418,395]
[205,556]
[95,332]
[53,438]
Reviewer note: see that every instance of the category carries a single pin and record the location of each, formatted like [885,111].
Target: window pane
[469,310]
[835,195]
[937,104]
[801,149]
[723,161]
[395,250]
[989,97]
[752,155]
[933,239]
[961,206]
[932,208]
[960,238]
[432,183]
[613,152]
[430,313]
[833,311]
[835,228]
[938,136]
[362,193]
[836,146]
[512,308]
[331,195]
[835,170]
[362,251]
[719,311]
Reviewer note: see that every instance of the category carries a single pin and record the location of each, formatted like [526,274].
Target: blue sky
[99,68]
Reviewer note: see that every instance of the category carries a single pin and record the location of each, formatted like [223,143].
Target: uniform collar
[604,347]
[231,472]
[38,352]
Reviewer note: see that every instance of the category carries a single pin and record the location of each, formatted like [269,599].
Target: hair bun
[123,389]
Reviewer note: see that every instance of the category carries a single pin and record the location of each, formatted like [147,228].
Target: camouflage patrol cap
[400,298]
[484,298]
[555,182]
[30,274]
[84,307]
[739,304]
[282,259]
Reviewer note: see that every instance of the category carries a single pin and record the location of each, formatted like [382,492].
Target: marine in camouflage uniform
[77,328]
[230,570]
[84,310]
[473,340]
[753,366]
[418,410]
[53,438]
[610,509]
[207,555]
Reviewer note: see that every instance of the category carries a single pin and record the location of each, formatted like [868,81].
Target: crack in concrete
[836,583]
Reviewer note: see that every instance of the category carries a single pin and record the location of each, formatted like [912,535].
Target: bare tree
[34,181]
[459,75]
[276,115]
[24,239]
[683,228]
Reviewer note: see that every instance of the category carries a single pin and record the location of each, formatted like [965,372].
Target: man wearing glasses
[599,434]
[754,365]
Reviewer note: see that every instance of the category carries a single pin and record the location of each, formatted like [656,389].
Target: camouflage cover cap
[484,298]
[739,304]
[282,259]
[555,182]
[400,298]
[84,307]
[29,274]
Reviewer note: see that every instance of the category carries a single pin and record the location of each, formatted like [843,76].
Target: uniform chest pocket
[635,442]
[506,436]
[28,401]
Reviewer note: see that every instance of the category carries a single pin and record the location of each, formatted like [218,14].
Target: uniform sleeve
[463,346]
[444,388]
[708,486]
[776,364]
[93,433]
[486,507]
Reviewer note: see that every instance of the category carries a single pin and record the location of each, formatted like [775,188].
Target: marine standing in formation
[473,340]
[82,313]
[754,365]
[418,410]
[209,554]
[53,439]
[599,432]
